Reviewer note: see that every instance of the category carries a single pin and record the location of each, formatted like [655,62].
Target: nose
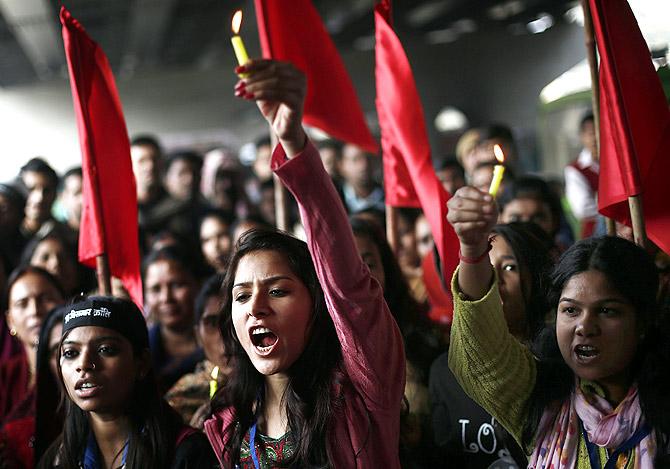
[86,361]
[165,295]
[587,325]
[53,265]
[37,195]
[258,306]
[32,308]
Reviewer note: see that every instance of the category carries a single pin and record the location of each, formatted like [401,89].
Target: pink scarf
[557,439]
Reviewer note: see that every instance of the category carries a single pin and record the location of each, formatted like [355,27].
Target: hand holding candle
[498,170]
[238,45]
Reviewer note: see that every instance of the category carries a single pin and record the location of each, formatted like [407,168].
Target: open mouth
[586,352]
[263,338]
[87,389]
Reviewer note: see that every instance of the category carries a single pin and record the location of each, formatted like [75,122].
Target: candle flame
[215,372]
[497,151]
[237,21]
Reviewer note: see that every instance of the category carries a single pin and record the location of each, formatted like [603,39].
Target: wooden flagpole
[589,39]
[637,217]
[103,275]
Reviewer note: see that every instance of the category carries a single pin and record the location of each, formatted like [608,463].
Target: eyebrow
[604,300]
[264,281]
[97,339]
[507,257]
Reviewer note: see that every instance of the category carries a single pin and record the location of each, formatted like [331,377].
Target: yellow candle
[213,383]
[240,50]
[498,170]
[236,40]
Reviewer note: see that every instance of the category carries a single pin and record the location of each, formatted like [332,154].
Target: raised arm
[371,342]
[493,367]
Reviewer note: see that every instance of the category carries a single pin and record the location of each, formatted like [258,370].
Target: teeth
[87,385]
[586,348]
[261,330]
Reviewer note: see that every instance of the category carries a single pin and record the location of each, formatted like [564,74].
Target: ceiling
[142,35]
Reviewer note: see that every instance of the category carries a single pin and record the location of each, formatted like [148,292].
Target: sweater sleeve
[491,365]
[372,347]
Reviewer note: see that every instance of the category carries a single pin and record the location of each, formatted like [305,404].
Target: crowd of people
[325,346]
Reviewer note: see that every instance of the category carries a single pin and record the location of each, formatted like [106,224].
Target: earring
[12,332]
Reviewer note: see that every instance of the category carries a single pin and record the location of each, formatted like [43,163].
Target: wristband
[475,260]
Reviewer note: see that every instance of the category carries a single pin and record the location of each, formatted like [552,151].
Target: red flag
[109,217]
[405,140]
[634,122]
[292,30]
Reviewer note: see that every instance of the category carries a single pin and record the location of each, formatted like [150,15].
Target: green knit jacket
[494,368]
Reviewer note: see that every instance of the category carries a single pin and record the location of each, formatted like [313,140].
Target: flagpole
[392,228]
[590,41]
[637,219]
[103,275]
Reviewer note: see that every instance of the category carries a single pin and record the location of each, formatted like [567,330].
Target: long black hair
[309,398]
[153,424]
[632,272]
[48,412]
[531,247]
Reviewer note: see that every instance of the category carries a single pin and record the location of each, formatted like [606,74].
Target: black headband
[117,314]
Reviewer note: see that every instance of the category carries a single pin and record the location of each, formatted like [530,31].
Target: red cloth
[292,30]
[398,188]
[404,136]
[109,217]
[364,432]
[14,381]
[441,304]
[634,122]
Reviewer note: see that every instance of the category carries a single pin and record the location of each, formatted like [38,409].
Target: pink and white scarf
[557,439]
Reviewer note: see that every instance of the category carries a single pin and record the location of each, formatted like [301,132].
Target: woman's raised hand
[472,213]
[279,90]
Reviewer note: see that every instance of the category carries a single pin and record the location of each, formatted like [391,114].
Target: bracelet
[475,260]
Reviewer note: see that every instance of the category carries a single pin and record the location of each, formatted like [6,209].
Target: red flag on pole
[109,217]
[634,122]
[405,144]
[292,30]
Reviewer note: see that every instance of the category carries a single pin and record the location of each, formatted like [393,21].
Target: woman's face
[52,256]
[371,257]
[271,311]
[30,299]
[216,242]
[209,333]
[99,369]
[509,284]
[532,210]
[170,293]
[597,331]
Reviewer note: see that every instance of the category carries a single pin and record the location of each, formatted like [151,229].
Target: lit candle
[213,383]
[498,170]
[238,45]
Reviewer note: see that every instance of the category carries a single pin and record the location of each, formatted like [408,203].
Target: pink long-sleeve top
[365,433]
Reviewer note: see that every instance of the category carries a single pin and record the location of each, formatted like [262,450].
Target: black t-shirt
[467,435]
